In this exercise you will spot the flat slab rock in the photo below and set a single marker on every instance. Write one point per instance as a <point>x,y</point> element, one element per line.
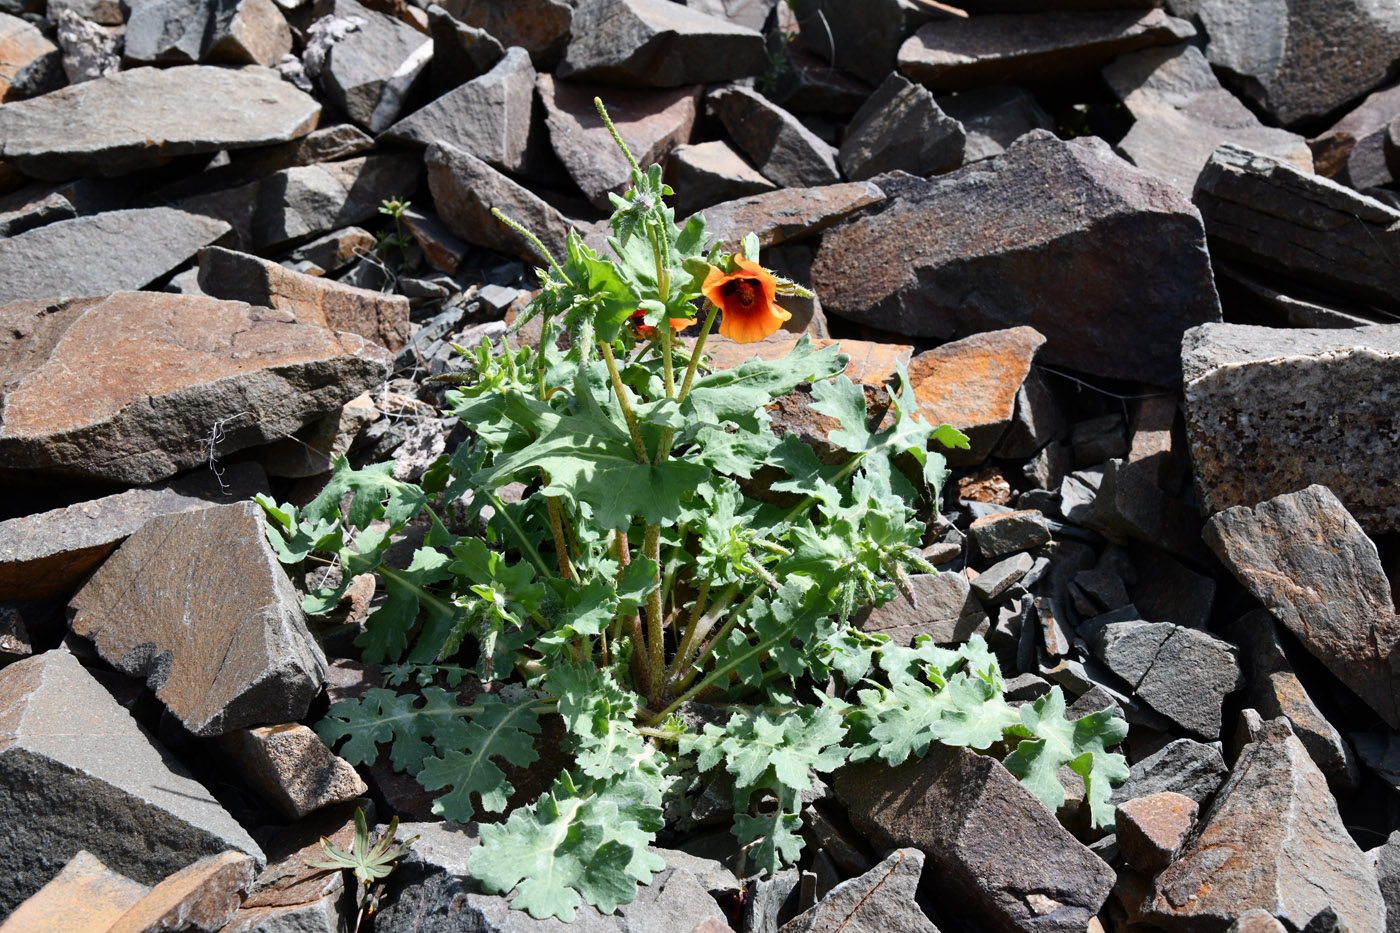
<point>85,897</point>
<point>199,606</point>
<point>947,258</point>
<point>77,772</point>
<point>146,116</point>
<point>1343,386</point>
<point>122,389</point>
<point>947,611</point>
<point>788,213</point>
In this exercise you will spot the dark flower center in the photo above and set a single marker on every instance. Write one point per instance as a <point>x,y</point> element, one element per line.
<point>741,289</point>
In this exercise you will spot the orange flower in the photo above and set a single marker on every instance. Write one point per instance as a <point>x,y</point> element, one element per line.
<point>646,332</point>
<point>746,298</point>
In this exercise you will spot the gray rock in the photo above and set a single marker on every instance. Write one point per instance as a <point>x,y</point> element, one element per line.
<point>32,64</point>
<point>960,53</point>
<point>162,114</point>
<point>991,584</point>
<point>1392,147</point>
<point>89,50</point>
<point>862,38</point>
<point>1247,448</point>
<point>101,12</point>
<point>1182,673</point>
<point>1182,114</point>
<point>292,768</point>
<point>945,258</point>
<point>46,555</point>
<point>168,32</point>
<point>488,116</point>
<point>15,644</point>
<point>79,773</point>
<point>328,914</point>
<point>655,43</point>
<point>1131,505</point>
<point>159,608</point>
<point>249,32</point>
<point>460,52</point>
<point>997,854</point>
<point>999,535</point>
<point>1274,49</point>
<point>1274,840</point>
<point>806,83</point>
<point>901,128</point>
<point>880,901</point>
<point>994,118</point>
<point>541,27</point>
<point>651,123</point>
<point>788,213</point>
<point>336,249</point>
<point>1168,591</point>
<point>1302,310</point>
<point>309,200</point>
<point>1352,151</point>
<point>370,72</point>
<point>781,148</point>
<point>709,173</point>
<point>751,14</point>
<point>1275,690</point>
<point>1388,874</point>
<point>945,610</point>
<point>465,189</point>
<point>100,254</point>
<point>1307,560</point>
<point>1262,211</point>
<point>1187,767</point>
<point>37,212</point>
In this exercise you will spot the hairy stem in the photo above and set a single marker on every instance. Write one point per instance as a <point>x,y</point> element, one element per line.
<point>534,241</point>
<point>656,635</point>
<point>699,346</point>
<point>621,392</point>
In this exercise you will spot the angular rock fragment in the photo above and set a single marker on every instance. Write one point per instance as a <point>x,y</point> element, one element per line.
<point>997,854</point>
<point>14,635</point>
<point>1344,387</point>
<point>29,63</point>
<point>882,899</point>
<point>806,83</point>
<point>788,214</point>
<point>292,768</point>
<point>250,32</point>
<point>1262,211</point>
<point>655,43</point>
<point>487,116</point>
<point>1273,50</point>
<point>866,36</point>
<point>198,605</point>
<point>329,144</point>
<point>993,118</point>
<point>751,14</point>
<point>77,772</point>
<point>540,27</point>
<point>781,148</point>
<point>1187,767</point>
<point>1182,673</point>
<point>1182,114</point>
<point>46,555</point>
<point>947,257</point>
<point>85,897</point>
<point>110,252</point>
<point>947,611</point>
<point>369,73</point>
<point>954,54</point>
<point>441,247</point>
<point>1303,308</point>
<point>709,173</point>
<point>1006,533</point>
<point>651,123</point>
<point>90,51</point>
<point>168,32</point>
<point>321,302</point>
<point>337,249</point>
<point>74,407</point>
<point>460,51</point>
<point>38,212</point>
<point>163,114</point>
<point>901,128</point>
<point>1352,151</point>
<point>1273,840</point>
<point>1307,560</point>
<point>199,898</point>
<point>1131,505</point>
<point>1151,829</point>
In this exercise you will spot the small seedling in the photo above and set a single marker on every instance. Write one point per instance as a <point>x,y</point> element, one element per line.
<point>370,860</point>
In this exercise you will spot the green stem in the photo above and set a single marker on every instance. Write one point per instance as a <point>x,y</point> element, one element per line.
<point>809,501</point>
<point>525,546</point>
<point>698,664</point>
<point>699,346</point>
<point>673,563</point>
<point>534,240</point>
<point>617,137</point>
<point>688,638</point>
<point>621,392</point>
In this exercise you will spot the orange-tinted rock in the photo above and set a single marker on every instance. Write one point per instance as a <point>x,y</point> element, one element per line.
<point>86,897</point>
<point>23,48</point>
<point>788,213</point>
<point>128,388</point>
<point>1152,829</point>
<point>870,363</point>
<point>292,768</point>
<point>200,898</point>
<point>972,384</point>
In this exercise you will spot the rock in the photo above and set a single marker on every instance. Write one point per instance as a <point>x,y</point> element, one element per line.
<point>320,302</point>
<point>651,123</point>
<point>992,583</point>
<point>788,213</point>
<point>250,32</point>
<point>1257,921</point>
<point>751,14</point>
<point>292,768</point>
<point>946,610</point>
<point>974,385</point>
<point>79,773</point>
<point>1152,829</point>
<point>541,27</point>
<point>1182,673</point>
<point>38,212</point>
<point>46,555</point>
<point>879,901</point>
<point>1292,310</point>
<point>460,52</point>
<point>1273,52</point>
<point>1131,505</point>
<point>169,32</point>
<point>1185,766</point>
<point>955,54</point>
<point>29,63</point>
<point>1392,147</point>
<point>1262,211</point>
<point>103,12</point>
<point>73,408</point>
<point>1247,448</point>
<point>199,898</point>
<point>465,189</point>
<point>1388,874</point>
<point>85,897</point>
<point>1305,558</point>
<point>89,50</point>
<point>993,118</point>
<point>441,247</point>
<point>333,913</point>
<point>312,451</point>
<point>370,71</point>
<point>901,128</point>
<point>163,114</point>
<point>781,148</point>
<point>999,858</point>
<point>234,668</point>
<point>103,253</point>
<point>15,644</point>
<point>945,258</point>
<point>1275,690</point>
<point>806,83</point>
<point>1273,840</point>
<point>329,144</point>
<point>1380,752</point>
<point>488,116</point>
<point>708,173</point>
<point>862,38</point>
<point>1353,150</point>
<point>1000,535</point>
<point>655,43</point>
<point>1182,114</point>
<point>337,249</point>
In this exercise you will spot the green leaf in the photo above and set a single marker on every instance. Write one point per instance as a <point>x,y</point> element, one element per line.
<point>733,395</point>
<point>385,636</point>
<point>383,716</point>
<point>496,730</point>
<point>1052,741</point>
